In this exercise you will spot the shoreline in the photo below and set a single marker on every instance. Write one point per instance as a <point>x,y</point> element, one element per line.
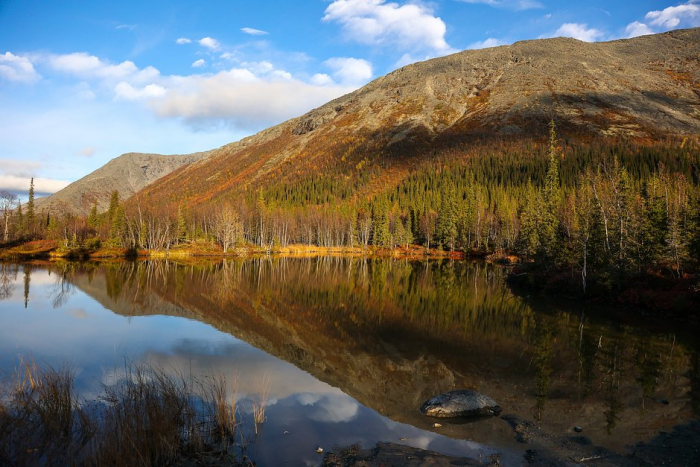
<point>49,249</point>
<point>646,295</point>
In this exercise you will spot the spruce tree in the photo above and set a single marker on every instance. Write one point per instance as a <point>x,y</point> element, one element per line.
<point>181,224</point>
<point>380,219</point>
<point>548,227</point>
<point>529,222</point>
<point>92,217</point>
<point>31,216</point>
<point>447,217</point>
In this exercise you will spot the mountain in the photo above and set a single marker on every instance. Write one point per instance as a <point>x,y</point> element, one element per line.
<point>126,174</point>
<point>644,89</point>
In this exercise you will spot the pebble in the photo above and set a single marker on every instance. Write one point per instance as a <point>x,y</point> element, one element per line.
<point>436,425</point>
<point>578,429</point>
<point>319,449</point>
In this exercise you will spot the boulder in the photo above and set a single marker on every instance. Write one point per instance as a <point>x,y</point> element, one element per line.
<point>463,403</point>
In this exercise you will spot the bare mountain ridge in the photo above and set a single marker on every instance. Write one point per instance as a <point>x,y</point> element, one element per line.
<point>127,174</point>
<point>646,88</point>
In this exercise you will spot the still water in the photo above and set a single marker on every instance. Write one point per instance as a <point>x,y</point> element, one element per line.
<point>345,350</point>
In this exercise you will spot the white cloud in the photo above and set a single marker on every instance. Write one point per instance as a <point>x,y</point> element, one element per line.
<point>209,43</point>
<point>41,185</point>
<point>579,31</point>
<point>333,408</point>
<point>281,74</point>
<point>321,79</point>
<point>16,168</point>
<point>687,15</point>
<point>17,68</point>
<point>89,67</point>
<point>239,98</point>
<point>485,44</point>
<point>83,65</point>
<point>637,29</point>
<point>509,4</point>
<point>350,71</point>
<point>375,22</point>
<point>259,68</point>
<point>183,40</point>
<point>199,63</point>
<point>126,91</point>
<point>254,32</point>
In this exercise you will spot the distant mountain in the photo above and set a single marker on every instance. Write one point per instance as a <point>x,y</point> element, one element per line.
<point>126,174</point>
<point>645,89</point>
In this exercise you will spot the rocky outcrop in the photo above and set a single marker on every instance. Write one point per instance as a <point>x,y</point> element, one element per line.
<point>127,174</point>
<point>462,403</point>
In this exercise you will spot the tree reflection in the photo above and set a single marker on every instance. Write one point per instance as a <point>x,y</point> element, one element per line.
<point>377,328</point>
<point>8,275</point>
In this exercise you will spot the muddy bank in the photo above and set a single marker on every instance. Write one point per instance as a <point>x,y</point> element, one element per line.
<point>678,448</point>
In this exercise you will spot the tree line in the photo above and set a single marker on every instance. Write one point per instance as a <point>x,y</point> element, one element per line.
<point>606,212</point>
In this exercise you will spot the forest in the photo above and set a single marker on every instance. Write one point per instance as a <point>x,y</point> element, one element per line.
<point>603,212</point>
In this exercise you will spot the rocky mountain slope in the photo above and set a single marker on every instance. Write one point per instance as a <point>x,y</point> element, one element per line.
<point>126,174</point>
<point>646,88</point>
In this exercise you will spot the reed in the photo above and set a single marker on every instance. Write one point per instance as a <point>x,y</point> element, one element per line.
<point>260,402</point>
<point>147,418</point>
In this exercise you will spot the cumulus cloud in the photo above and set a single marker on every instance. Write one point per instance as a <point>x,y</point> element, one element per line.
<point>637,29</point>
<point>41,185</point>
<point>126,91</point>
<point>509,4</point>
<point>199,63</point>
<point>83,65</point>
<point>209,43</point>
<point>183,40</point>
<point>579,31</point>
<point>686,15</point>
<point>254,32</point>
<point>321,79</point>
<point>240,98</point>
<point>350,71</point>
<point>375,22</point>
<point>485,44</point>
<point>110,76</point>
<point>17,68</point>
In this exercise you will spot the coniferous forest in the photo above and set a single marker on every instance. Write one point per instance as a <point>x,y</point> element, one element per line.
<point>594,215</point>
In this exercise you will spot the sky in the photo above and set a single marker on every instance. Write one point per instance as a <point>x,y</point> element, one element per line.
<point>82,82</point>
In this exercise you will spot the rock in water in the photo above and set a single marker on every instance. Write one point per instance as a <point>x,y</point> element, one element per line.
<point>462,403</point>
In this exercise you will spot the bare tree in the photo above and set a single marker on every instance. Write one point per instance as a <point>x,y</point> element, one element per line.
<point>7,203</point>
<point>228,227</point>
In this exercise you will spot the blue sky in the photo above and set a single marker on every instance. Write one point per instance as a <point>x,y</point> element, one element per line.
<point>82,82</point>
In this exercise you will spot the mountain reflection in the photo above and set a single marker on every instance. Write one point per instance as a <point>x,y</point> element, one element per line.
<point>391,333</point>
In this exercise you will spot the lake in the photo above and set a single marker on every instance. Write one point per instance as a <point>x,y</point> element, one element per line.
<point>345,350</point>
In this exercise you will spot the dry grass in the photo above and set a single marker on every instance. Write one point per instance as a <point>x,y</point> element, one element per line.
<point>148,418</point>
<point>41,422</point>
<point>260,402</point>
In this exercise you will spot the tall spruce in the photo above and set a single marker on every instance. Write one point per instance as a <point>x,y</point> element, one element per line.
<point>548,226</point>
<point>31,215</point>
<point>447,217</point>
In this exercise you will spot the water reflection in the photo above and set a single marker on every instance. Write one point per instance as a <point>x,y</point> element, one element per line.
<point>344,341</point>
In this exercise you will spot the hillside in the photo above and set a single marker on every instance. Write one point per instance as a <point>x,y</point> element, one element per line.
<point>644,89</point>
<point>126,174</point>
